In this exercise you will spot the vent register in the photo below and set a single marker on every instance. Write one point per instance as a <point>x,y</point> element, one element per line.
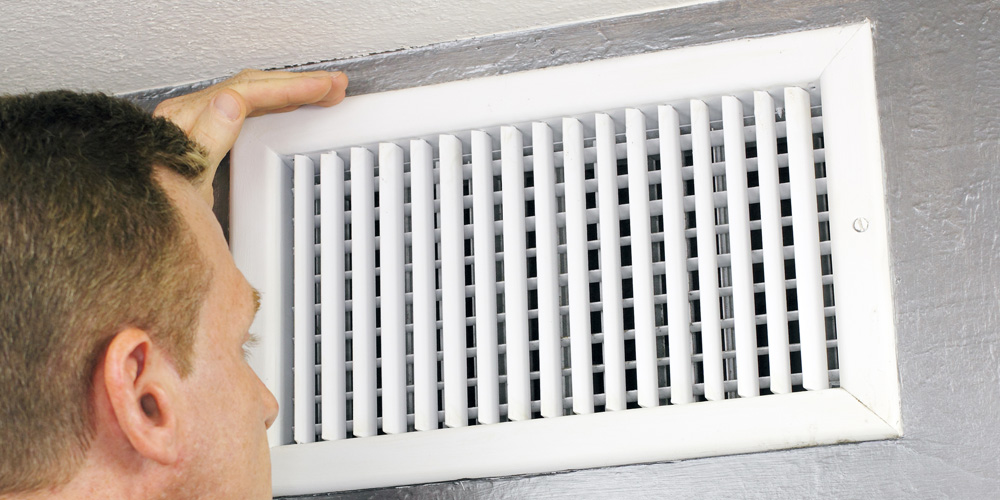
<point>521,274</point>
<point>648,256</point>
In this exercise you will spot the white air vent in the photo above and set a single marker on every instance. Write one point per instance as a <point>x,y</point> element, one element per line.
<point>665,256</point>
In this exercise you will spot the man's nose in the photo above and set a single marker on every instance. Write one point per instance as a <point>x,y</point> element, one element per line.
<point>270,405</point>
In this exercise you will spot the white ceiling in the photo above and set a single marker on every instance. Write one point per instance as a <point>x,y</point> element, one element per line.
<point>128,45</point>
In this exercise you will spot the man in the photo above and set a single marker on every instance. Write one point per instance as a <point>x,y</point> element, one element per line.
<point>123,319</point>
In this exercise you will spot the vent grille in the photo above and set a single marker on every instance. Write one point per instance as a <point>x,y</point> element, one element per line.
<point>662,254</point>
<point>389,294</point>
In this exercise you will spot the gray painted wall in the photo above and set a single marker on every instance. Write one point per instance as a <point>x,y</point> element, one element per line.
<point>125,45</point>
<point>938,78</point>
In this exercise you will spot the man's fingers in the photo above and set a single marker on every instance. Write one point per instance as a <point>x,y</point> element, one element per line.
<point>212,117</point>
<point>281,94</point>
<point>263,92</point>
<point>279,110</point>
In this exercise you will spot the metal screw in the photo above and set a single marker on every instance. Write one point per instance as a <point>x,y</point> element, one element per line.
<point>861,224</point>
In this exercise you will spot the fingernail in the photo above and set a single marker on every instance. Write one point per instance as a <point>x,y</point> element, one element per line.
<point>336,75</point>
<point>227,105</point>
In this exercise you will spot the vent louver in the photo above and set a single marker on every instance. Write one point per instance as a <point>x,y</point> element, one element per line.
<point>536,253</point>
<point>500,276</point>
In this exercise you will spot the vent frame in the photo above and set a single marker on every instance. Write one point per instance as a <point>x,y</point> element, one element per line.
<point>865,407</point>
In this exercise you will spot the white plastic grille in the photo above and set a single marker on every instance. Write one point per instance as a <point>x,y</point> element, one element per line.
<point>662,254</point>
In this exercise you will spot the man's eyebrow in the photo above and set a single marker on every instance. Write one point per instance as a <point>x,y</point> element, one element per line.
<point>256,300</point>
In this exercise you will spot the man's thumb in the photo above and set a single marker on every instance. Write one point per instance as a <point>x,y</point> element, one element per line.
<point>219,125</point>
<point>216,129</point>
<point>226,105</point>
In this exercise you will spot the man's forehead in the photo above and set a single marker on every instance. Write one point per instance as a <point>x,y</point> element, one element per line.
<point>230,284</point>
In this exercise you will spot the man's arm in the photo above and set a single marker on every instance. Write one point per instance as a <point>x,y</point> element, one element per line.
<point>214,116</point>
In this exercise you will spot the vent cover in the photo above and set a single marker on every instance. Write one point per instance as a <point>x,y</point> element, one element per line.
<point>525,284</point>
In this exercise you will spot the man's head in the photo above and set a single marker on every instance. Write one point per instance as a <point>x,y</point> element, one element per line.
<point>101,255</point>
<point>123,319</point>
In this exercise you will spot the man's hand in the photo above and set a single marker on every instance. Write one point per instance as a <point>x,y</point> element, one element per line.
<point>214,116</point>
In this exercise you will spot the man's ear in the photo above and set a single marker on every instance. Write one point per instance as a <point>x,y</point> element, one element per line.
<point>142,388</point>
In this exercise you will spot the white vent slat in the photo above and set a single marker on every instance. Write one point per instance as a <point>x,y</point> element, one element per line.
<point>788,284</point>
<point>332,299</point>
<point>773,248</point>
<point>547,264</point>
<point>515,274</point>
<point>578,279</point>
<point>363,305</point>
<point>664,392</point>
<point>745,329</point>
<point>453,292</point>
<point>719,198</point>
<point>708,268</point>
<point>642,257</point>
<point>675,256</point>
<point>304,297</point>
<point>425,353</point>
<point>808,274</point>
<point>392,278</point>
<point>484,239</point>
<point>612,326</point>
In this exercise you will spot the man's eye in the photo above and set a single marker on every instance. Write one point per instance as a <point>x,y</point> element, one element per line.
<point>251,342</point>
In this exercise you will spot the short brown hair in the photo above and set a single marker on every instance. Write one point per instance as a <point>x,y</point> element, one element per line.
<point>89,244</point>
